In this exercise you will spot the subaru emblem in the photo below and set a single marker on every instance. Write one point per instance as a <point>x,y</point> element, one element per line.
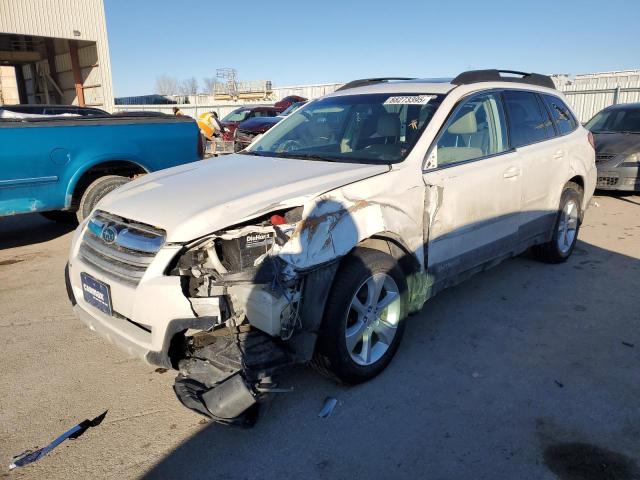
<point>109,235</point>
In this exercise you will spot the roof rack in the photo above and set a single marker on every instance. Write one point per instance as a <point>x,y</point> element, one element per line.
<point>369,81</point>
<point>475,76</point>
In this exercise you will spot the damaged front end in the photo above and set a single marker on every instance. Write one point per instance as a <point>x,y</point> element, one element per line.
<point>236,284</point>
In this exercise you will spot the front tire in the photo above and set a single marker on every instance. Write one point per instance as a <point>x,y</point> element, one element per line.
<point>566,227</point>
<point>364,317</point>
<point>96,191</point>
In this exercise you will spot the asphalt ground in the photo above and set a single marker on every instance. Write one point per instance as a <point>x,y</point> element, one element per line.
<point>527,371</point>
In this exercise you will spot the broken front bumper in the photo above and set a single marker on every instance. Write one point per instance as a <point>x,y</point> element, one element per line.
<point>145,317</point>
<point>132,339</point>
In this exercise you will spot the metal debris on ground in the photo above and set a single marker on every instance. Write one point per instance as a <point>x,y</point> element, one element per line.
<point>627,344</point>
<point>31,456</point>
<point>329,404</point>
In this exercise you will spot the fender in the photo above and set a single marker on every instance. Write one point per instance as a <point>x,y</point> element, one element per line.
<point>96,161</point>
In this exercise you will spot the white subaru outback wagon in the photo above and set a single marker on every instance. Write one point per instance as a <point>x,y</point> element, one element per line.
<point>318,240</point>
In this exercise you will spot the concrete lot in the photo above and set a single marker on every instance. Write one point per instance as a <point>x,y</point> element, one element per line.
<point>514,374</point>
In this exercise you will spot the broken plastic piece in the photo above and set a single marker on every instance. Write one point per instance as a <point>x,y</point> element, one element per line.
<point>30,456</point>
<point>229,399</point>
<point>329,404</point>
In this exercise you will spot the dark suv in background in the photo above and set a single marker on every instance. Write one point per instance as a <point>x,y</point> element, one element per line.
<point>231,121</point>
<point>616,131</point>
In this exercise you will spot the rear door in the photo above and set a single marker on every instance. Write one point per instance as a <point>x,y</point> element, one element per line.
<point>544,161</point>
<point>477,179</point>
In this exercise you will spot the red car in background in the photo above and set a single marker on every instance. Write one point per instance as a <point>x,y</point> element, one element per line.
<point>286,102</point>
<point>231,121</point>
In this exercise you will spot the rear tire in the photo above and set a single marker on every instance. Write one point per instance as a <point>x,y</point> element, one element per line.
<point>96,191</point>
<point>364,317</point>
<point>61,216</point>
<point>565,229</point>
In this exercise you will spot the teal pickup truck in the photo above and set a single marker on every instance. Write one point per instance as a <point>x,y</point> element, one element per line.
<point>61,166</point>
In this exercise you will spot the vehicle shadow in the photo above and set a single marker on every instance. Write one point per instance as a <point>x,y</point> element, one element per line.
<point>629,197</point>
<point>490,373</point>
<point>29,229</point>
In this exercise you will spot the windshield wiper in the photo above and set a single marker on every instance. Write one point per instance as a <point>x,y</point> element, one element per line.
<point>257,154</point>
<point>309,156</point>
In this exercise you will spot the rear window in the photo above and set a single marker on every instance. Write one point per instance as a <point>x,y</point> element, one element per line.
<point>562,117</point>
<point>526,122</point>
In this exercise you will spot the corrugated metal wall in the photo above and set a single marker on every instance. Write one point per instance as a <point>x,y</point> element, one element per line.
<point>73,20</point>
<point>589,93</point>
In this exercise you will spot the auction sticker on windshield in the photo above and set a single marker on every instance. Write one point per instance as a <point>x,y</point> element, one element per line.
<point>409,100</point>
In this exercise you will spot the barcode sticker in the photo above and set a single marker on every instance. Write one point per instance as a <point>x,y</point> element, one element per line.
<point>409,100</point>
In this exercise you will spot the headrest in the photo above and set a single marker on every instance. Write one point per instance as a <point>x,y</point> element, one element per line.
<point>466,124</point>
<point>388,125</point>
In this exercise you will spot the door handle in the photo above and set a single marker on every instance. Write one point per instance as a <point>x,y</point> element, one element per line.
<point>511,172</point>
<point>559,155</point>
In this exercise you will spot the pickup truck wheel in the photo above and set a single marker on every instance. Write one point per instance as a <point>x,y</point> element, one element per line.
<point>60,216</point>
<point>566,228</point>
<point>95,191</point>
<point>364,317</point>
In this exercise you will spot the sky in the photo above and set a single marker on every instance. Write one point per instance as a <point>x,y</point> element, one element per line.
<point>305,42</point>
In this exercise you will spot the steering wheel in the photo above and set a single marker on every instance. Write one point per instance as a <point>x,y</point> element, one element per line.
<point>290,146</point>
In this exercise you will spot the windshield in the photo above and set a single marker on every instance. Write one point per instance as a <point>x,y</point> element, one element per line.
<point>370,128</point>
<point>615,120</point>
<point>236,116</point>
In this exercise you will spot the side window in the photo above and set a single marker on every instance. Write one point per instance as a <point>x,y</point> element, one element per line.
<point>476,130</point>
<point>561,114</point>
<point>526,123</point>
<point>548,122</point>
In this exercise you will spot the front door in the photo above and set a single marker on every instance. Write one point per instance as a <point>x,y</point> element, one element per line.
<point>475,180</point>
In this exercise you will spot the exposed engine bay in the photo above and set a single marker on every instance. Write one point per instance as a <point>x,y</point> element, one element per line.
<point>234,279</point>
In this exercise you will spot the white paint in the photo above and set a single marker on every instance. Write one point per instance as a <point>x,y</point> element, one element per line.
<point>343,204</point>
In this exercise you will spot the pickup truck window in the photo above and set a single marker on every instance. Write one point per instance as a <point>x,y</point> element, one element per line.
<point>369,128</point>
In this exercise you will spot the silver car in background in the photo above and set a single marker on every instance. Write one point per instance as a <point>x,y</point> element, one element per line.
<point>616,131</point>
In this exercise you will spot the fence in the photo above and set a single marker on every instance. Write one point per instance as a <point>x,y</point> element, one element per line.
<point>587,94</point>
<point>207,103</point>
<point>189,109</point>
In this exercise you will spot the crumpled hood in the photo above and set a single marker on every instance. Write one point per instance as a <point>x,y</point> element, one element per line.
<point>617,143</point>
<point>199,198</point>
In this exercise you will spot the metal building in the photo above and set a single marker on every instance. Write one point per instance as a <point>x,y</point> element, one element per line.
<point>55,51</point>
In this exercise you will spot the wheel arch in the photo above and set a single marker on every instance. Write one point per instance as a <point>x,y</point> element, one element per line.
<point>83,177</point>
<point>392,244</point>
<point>579,180</point>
